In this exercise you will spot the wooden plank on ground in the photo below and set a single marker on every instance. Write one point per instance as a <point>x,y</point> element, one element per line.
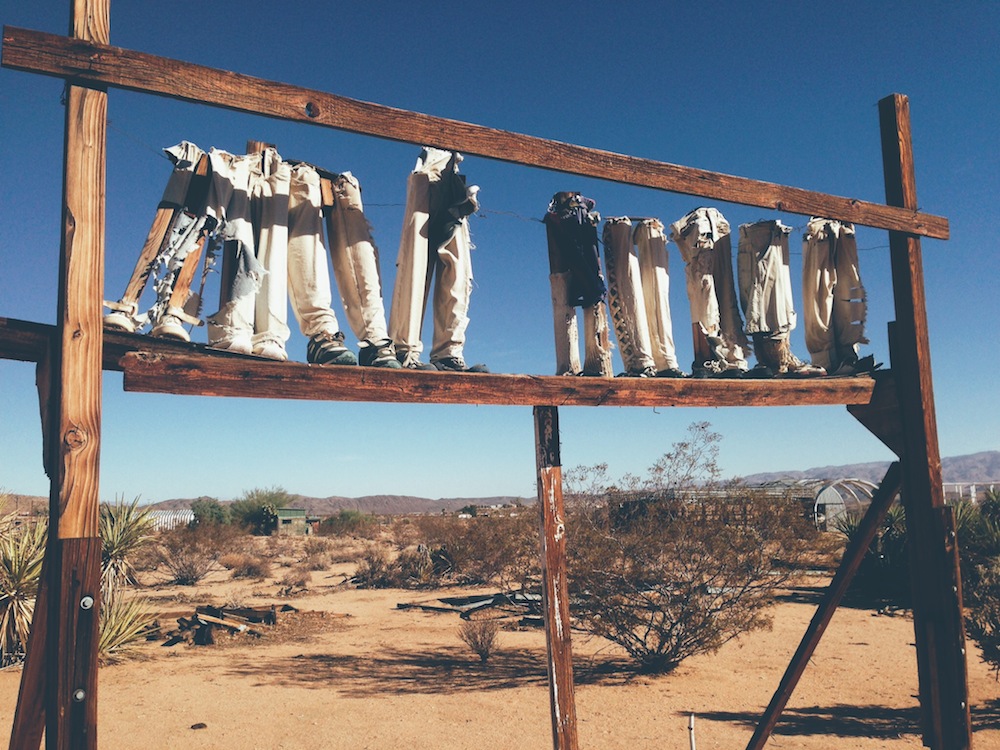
<point>64,57</point>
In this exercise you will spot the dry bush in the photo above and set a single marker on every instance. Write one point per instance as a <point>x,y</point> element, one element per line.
<point>190,553</point>
<point>374,569</point>
<point>348,522</point>
<point>480,636</point>
<point>243,565</point>
<point>296,579</point>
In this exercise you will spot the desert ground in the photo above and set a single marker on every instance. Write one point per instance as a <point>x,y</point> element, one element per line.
<point>352,670</point>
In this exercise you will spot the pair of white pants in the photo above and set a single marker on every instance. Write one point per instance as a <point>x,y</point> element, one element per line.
<point>703,236</point>
<point>834,304</point>
<point>449,265</point>
<point>356,262</point>
<point>765,280</point>
<point>638,293</point>
<point>285,215</point>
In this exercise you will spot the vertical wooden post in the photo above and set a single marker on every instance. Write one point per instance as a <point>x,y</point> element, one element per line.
<point>73,556</point>
<point>555,586</point>
<point>939,635</point>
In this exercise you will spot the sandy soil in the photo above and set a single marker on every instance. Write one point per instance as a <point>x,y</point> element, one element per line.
<point>368,675</point>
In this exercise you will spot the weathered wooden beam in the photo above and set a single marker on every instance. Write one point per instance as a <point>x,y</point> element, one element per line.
<point>555,584</point>
<point>247,377</point>
<point>881,414</point>
<point>939,636</point>
<point>74,59</point>
<point>849,564</point>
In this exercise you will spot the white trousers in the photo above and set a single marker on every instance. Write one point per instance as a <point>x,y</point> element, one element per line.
<point>834,304</point>
<point>284,259</point>
<point>703,236</point>
<point>651,245</point>
<point>356,262</point>
<point>625,295</point>
<point>764,279</point>
<point>449,266</point>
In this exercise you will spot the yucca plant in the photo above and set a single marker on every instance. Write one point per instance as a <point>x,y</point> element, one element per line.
<point>21,551</point>
<point>124,527</point>
<point>124,620</point>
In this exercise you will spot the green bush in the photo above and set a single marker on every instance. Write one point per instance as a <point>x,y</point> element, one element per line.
<point>349,522</point>
<point>256,510</point>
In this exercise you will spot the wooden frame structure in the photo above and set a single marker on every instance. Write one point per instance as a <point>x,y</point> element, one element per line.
<point>59,682</point>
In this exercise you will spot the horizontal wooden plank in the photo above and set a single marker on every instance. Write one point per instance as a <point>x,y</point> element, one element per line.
<point>201,375</point>
<point>105,65</point>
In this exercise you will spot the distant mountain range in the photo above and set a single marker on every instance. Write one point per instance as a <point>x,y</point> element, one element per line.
<point>975,468</point>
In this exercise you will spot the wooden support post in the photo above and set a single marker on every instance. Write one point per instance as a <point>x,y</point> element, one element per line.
<point>62,666</point>
<point>555,587</point>
<point>939,635</point>
<point>853,555</point>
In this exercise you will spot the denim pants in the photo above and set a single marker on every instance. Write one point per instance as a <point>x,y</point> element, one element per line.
<point>703,236</point>
<point>356,262</point>
<point>435,246</point>
<point>764,279</point>
<point>576,279</point>
<point>834,304</point>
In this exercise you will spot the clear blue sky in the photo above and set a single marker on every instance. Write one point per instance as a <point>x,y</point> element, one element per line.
<point>784,92</point>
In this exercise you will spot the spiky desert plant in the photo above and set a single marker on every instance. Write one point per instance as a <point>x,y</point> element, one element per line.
<point>124,528</point>
<point>21,551</point>
<point>124,620</point>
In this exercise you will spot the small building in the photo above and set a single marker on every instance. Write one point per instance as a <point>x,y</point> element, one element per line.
<point>292,522</point>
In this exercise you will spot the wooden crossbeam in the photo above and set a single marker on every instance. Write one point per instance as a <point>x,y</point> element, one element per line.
<point>103,64</point>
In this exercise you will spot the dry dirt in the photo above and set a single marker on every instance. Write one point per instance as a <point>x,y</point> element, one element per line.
<point>369,675</point>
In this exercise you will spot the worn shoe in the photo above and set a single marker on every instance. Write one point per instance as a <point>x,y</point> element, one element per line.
<point>777,355</point>
<point>646,372</point>
<point>119,321</point>
<point>270,350</point>
<point>456,364</point>
<point>238,344</point>
<point>671,372</point>
<point>170,327</point>
<point>329,349</point>
<point>378,354</point>
<point>411,361</point>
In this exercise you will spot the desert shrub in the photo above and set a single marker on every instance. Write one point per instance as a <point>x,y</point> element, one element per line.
<point>348,522</point>
<point>209,510</point>
<point>296,579</point>
<point>679,564</point>
<point>125,528</point>
<point>243,565</point>
<point>413,568</point>
<point>374,570</point>
<point>21,551</point>
<point>314,545</point>
<point>256,510</point>
<point>883,575</point>
<point>190,553</point>
<point>480,636</point>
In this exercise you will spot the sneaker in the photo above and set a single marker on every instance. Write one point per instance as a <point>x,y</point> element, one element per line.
<point>671,372</point>
<point>714,368</point>
<point>170,327</point>
<point>329,349</point>
<point>270,350</point>
<point>238,344</point>
<point>119,321</point>
<point>456,364</point>
<point>378,354</point>
<point>646,372</point>
<point>411,361</point>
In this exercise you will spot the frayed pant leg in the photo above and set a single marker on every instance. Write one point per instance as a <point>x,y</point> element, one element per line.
<point>597,341</point>
<point>625,296</point>
<point>764,279</point>
<point>229,203</point>
<point>567,336</point>
<point>269,209</point>
<point>850,306</point>
<point>452,293</point>
<point>356,262</point>
<point>408,294</point>
<point>309,287</point>
<point>819,277</point>
<point>730,321</point>
<point>654,270</point>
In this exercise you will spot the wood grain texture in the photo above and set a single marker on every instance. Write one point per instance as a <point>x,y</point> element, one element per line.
<point>258,378</point>
<point>849,564</point>
<point>136,71</point>
<point>29,715</point>
<point>881,415</point>
<point>940,648</point>
<point>71,682</point>
<point>555,582</point>
<point>76,392</point>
